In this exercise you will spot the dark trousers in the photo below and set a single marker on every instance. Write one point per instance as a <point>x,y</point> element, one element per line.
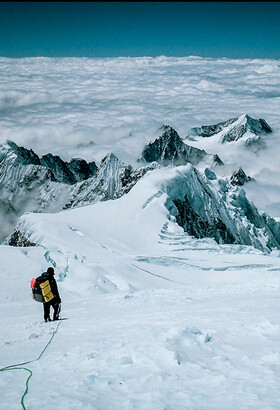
<point>56,309</point>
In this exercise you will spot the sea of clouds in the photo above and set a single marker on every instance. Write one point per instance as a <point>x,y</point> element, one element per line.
<point>61,105</point>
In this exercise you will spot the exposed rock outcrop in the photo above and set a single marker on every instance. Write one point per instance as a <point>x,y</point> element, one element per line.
<point>239,178</point>
<point>217,161</point>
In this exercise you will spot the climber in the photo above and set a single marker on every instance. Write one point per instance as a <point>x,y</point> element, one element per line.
<point>47,283</point>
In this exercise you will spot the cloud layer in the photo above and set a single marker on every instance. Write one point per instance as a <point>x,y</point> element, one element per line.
<point>53,104</point>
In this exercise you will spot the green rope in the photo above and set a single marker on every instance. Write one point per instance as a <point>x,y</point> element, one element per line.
<point>19,366</point>
<point>26,382</point>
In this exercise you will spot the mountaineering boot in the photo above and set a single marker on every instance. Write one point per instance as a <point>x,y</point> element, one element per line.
<point>48,319</point>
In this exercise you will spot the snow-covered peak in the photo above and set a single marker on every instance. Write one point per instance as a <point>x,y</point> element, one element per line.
<point>13,152</point>
<point>111,161</point>
<point>257,127</point>
<point>234,128</point>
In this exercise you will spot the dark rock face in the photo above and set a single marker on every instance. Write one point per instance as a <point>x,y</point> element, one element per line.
<point>225,215</point>
<point>261,126</point>
<point>170,149</point>
<point>130,177</point>
<point>81,169</point>
<point>199,227</point>
<point>234,128</point>
<point>58,168</point>
<point>239,178</point>
<point>17,239</point>
<point>68,172</point>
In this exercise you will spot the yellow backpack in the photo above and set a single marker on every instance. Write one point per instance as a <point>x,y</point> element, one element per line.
<point>46,291</point>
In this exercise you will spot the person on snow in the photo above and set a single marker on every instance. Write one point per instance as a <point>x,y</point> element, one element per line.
<point>50,294</point>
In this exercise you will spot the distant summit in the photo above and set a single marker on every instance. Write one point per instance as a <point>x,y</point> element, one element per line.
<point>169,148</point>
<point>234,129</point>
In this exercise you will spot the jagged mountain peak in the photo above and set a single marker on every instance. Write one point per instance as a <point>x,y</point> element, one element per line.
<point>21,154</point>
<point>169,148</point>
<point>239,178</point>
<point>164,127</point>
<point>69,172</point>
<point>170,132</point>
<point>110,158</point>
<point>113,179</point>
<point>110,167</point>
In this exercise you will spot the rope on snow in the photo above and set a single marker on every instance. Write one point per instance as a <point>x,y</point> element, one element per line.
<point>19,366</point>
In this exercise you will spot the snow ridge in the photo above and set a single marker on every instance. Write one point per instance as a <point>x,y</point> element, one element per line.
<point>204,207</point>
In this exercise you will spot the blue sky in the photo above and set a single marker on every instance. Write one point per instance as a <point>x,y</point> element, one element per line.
<point>111,29</point>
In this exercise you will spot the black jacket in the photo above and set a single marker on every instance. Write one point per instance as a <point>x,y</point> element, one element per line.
<point>53,284</point>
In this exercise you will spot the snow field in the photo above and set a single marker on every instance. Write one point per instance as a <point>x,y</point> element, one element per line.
<point>193,327</point>
<point>156,319</point>
<point>151,349</point>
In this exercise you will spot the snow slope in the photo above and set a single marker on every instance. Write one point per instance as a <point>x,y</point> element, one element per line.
<point>157,319</point>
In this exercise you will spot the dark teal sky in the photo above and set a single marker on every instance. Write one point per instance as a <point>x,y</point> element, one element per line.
<point>111,29</point>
